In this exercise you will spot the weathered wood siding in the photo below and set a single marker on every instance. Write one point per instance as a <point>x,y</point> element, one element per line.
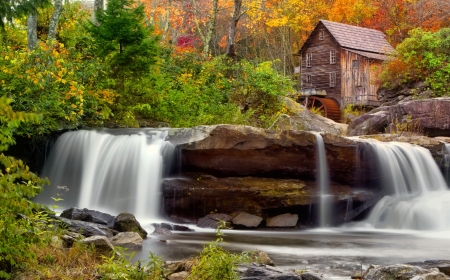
<point>320,67</point>
<point>359,79</point>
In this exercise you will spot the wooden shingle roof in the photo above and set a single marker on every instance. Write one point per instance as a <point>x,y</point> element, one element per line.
<point>358,38</point>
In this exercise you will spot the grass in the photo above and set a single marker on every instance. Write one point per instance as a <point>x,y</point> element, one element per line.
<point>78,262</point>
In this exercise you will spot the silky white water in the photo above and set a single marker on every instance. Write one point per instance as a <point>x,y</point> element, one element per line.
<point>108,172</point>
<point>417,195</point>
<point>323,183</point>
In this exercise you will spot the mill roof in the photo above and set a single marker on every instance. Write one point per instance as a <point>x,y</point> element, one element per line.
<point>358,38</point>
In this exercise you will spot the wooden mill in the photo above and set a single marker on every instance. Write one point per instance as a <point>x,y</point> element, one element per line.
<point>339,65</point>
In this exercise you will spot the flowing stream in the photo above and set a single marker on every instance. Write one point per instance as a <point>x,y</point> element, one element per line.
<point>109,170</point>
<point>121,170</point>
<point>418,197</point>
<point>323,182</point>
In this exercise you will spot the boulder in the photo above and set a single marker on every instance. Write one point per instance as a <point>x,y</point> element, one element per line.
<point>402,272</point>
<point>57,242</point>
<point>130,240</point>
<point>85,228</point>
<point>211,220</point>
<point>442,265</point>
<point>101,244</point>
<point>178,276</point>
<point>312,276</point>
<point>427,117</point>
<point>172,267</point>
<point>370,123</point>
<point>161,231</point>
<point>261,258</point>
<point>172,227</point>
<point>262,272</point>
<point>302,119</point>
<point>70,237</point>
<point>247,220</point>
<point>283,220</point>
<point>87,215</point>
<point>127,222</point>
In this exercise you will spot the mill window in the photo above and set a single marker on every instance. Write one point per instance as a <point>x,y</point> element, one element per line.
<point>308,79</point>
<point>332,56</point>
<point>321,35</point>
<point>332,79</point>
<point>308,59</point>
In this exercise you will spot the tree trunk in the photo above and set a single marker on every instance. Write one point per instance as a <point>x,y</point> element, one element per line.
<point>166,23</point>
<point>53,25</point>
<point>231,39</point>
<point>32,31</point>
<point>210,26</point>
<point>98,6</point>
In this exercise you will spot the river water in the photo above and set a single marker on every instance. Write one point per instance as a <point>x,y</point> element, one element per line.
<point>336,253</point>
<point>116,172</point>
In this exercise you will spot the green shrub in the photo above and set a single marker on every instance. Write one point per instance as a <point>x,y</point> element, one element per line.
<point>21,223</point>
<point>120,268</point>
<point>214,262</point>
<point>424,56</point>
<point>187,90</point>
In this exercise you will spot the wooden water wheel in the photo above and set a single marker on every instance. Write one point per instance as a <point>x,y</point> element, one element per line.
<point>326,107</point>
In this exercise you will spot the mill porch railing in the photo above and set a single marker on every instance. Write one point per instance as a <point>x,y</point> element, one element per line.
<point>362,100</point>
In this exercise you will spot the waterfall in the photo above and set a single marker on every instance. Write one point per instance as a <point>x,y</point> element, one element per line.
<point>323,183</point>
<point>109,170</point>
<point>417,195</point>
<point>446,161</point>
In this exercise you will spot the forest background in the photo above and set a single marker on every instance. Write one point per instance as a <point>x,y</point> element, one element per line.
<point>178,62</point>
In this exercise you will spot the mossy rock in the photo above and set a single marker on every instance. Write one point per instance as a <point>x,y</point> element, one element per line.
<point>126,222</point>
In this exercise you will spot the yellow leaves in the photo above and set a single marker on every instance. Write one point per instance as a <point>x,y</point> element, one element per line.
<point>277,22</point>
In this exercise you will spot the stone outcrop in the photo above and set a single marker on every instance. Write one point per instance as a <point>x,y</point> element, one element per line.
<point>427,116</point>
<point>229,150</point>
<point>403,272</point>
<point>267,173</point>
<point>283,220</point>
<point>127,222</point>
<point>193,197</point>
<point>404,93</point>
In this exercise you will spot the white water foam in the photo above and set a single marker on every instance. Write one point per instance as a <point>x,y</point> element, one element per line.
<point>323,183</point>
<point>110,173</point>
<point>418,197</point>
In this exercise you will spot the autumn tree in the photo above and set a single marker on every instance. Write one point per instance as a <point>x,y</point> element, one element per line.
<point>231,38</point>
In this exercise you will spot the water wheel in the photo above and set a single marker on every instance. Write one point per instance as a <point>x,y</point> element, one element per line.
<point>326,107</point>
